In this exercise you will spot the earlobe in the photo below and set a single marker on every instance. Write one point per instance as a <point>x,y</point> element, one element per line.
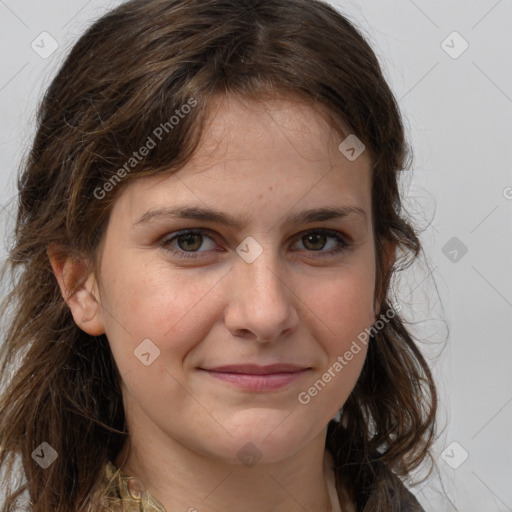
<point>79,289</point>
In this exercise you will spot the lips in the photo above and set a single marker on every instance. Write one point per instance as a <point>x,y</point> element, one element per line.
<point>253,377</point>
<point>255,369</point>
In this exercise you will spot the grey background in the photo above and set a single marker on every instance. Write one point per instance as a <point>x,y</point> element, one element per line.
<point>458,114</point>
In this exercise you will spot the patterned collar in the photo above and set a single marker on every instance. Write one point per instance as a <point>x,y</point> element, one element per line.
<point>127,494</point>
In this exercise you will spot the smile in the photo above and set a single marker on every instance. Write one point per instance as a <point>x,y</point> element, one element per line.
<point>258,378</point>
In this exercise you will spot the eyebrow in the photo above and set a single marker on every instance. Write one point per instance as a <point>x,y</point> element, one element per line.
<point>210,215</point>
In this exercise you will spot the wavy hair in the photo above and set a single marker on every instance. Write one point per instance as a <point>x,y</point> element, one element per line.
<point>131,72</point>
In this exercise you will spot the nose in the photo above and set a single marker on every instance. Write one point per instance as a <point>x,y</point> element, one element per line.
<point>262,304</point>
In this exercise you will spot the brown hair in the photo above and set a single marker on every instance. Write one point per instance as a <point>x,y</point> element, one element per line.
<point>127,75</point>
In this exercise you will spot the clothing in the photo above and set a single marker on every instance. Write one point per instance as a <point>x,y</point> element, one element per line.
<point>127,494</point>
<point>120,495</point>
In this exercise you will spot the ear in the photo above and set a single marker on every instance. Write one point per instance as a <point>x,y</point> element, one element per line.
<point>79,289</point>
<point>389,258</point>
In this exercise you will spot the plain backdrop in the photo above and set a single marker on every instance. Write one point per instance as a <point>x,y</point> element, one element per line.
<point>449,64</point>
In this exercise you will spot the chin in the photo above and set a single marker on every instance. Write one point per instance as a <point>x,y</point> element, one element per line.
<point>263,442</point>
<point>244,451</point>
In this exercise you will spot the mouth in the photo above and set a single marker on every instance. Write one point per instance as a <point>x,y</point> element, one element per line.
<point>258,378</point>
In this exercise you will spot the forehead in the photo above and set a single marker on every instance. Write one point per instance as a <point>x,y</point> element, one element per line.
<point>238,124</point>
<point>261,155</point>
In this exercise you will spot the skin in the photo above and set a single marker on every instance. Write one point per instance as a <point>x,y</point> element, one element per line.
<point>259,162</point>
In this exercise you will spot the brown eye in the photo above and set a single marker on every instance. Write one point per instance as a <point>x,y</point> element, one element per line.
<point>314,241</point>
<point>190,241</point>
<point>319,239</point>
<point>186,244</point>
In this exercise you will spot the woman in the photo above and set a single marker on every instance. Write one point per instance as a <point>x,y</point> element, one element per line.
<point>208,224</point>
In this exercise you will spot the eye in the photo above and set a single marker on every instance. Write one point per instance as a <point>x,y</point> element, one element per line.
<point>186,244</point>
<point>316,240</point>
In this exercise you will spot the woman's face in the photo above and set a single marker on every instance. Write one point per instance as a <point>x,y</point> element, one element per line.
<point>220,334</point>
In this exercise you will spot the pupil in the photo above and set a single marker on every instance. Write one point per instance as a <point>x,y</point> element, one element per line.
<point>313,236</point>
<point>189,239</point>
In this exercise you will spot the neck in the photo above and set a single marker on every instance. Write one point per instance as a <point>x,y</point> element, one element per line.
<point>182,479</point>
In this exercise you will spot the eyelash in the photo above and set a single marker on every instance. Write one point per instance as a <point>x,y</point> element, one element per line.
<point>343,245</point>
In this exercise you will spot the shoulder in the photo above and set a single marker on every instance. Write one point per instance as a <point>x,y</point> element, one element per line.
<point>397,499</point>
<point>365,482</point>
<point>398,492</point>
<point>388,492</point>
<point>378,490</point>
<point>407,500</point>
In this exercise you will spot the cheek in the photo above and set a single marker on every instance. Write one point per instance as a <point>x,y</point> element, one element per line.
<point>343,304</point>
<point>175,311</point>
<point>342,311</point>
<point>171,307</point>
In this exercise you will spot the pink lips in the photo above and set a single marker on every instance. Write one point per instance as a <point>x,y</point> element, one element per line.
<point>253,377</point>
